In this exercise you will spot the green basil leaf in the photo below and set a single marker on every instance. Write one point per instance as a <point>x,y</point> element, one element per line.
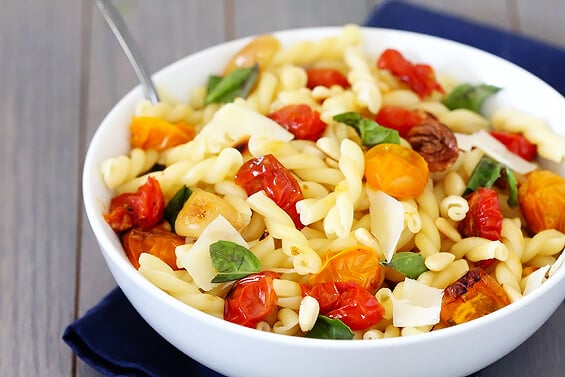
<point>467,96</point>
<point>232,261</point>
<point>213,80</point>
<point>237,83</point>
<point>485,174</point>
<point>175,205</point>
<point>370,131</point>
<point>327,328</point>
<point>408,263</point>
<point>512,182</point>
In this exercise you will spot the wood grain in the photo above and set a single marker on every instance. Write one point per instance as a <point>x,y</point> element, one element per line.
<point>61,71</point>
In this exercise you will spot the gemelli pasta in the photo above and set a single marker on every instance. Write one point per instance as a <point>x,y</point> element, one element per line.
<point>339,189</point>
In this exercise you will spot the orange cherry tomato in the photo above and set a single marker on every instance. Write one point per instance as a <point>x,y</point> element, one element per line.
<point>156,241</point>
<point>474,295</point>
<point>396,170</point>
<point>251,299</point>
<point>144,208</point>
<point>303,122</point>
<point>542,200</point>
<point>156,133</point>
<point>356,264</point>
<point>348,302</point>
<point>260,50</point>
<point>327,77</point>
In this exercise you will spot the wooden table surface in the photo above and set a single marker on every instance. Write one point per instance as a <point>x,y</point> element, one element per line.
<point>61,71</point>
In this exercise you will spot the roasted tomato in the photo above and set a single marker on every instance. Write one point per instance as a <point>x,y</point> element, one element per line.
<point>474,295</point>
<point>484,218</point>
<point>418,77</point>
<point>327,77</point>
<point>348,302</point>
<point>156,241</point>
<point>251,299</point>
<point>398,118</point>
<point>435,142</point>
<point>260,50</point>
<point>517,144</point>
<point>268,174</point>
<point>542,200</point>
<point>303,122</point>
<point>144,208</point>
<point>396,170</point>
<point>356,264</point>
<point>158,134</point>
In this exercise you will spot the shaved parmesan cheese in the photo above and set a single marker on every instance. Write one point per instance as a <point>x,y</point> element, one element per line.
<point>416,304</point>
<point>230,124</point>
<point>196,258</point>
<point>495,149</point>
<point>387,220</point>
<point>557,264</point>
<point>535,279</point>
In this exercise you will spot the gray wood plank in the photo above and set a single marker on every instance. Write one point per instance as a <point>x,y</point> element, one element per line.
<point>543,20</point>
<point>39,118</point>
<point>255,17</point>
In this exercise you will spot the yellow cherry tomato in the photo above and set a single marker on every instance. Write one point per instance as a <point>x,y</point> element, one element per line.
<point>259,51</point>
<point>357,264</point>
<point>396,170</point>
<point>542,200</point>
<point>158,134</point>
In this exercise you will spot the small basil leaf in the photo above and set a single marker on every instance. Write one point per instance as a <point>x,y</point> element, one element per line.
<point>512,187</point>
<point>213,80</point>
<point>175,205</point>
<point>370,131</point>
<point>327,328</point>
<point>408,263</point>
<point>232,261</point>
<point>467,96</point>
<point>237,83</point>
<point>485,174</point>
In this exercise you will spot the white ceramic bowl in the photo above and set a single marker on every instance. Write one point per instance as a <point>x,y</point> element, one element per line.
<point>239,351</point>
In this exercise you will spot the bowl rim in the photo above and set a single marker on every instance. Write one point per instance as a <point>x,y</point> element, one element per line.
<point>100,227</point>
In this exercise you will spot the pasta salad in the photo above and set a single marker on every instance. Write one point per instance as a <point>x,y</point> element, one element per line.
<point>318,190</point>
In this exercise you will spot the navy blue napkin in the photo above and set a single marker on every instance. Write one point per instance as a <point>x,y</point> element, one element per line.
<point>114,339</point>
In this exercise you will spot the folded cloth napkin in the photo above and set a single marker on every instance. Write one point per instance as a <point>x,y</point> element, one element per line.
<point>114,339</point>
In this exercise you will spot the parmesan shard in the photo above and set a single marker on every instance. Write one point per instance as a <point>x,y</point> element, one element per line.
<point>196,258</point>
<point>416,305</point>
<point>387,220</point>
<point>534,280</point>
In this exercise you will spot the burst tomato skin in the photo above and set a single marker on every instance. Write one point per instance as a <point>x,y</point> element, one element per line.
<point>251,299</point>
<point>144,208</point>
<point>155,241</point>
<point>419,77</point>
<point>348,302</point>
<point>517,144</point>
<point>268,174</point>
<point>327,77</point>
<point>356,264</point>
<point>474,295</point>
<point>300,120</point>
<point>542,200</point>
<point>484,218</point>
<point>398,118</point>
<point>396,170</point>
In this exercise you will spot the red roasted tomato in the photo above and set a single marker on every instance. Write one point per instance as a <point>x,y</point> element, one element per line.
<point>144,208</point>
<point>155,241</point>
<point>419,77</point>
<point>484,218</point>
<point>268,174</point>
<point>516,143</point>
<point>398,118</point>
<point>348,302</point>
<point>303,122</point>
<point>327,77</point>
<point>251,299</point>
